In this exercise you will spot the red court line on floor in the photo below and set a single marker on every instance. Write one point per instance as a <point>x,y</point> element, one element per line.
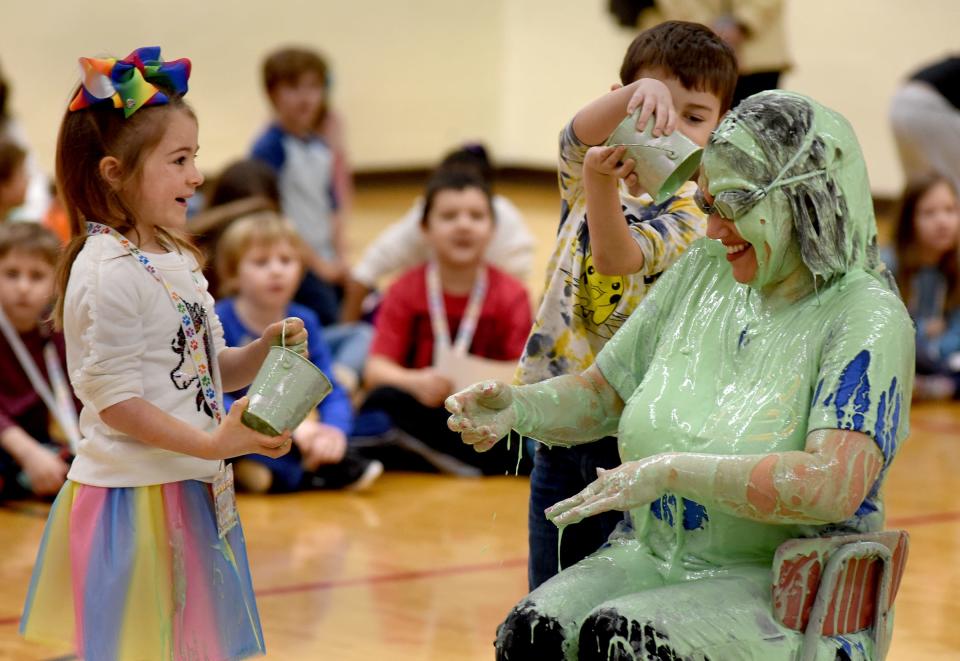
<point>894,522</point>
<point>413,575</point>
<point>391,578</point>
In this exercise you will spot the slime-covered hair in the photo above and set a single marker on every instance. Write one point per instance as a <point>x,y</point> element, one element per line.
<point>788,143</point>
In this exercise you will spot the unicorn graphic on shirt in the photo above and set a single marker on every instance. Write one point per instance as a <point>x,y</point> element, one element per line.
<point>184,375</point>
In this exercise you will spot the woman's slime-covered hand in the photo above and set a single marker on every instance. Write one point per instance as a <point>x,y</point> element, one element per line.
<point>630,485</point>
<point>824,483</point>
<point>482,414</point>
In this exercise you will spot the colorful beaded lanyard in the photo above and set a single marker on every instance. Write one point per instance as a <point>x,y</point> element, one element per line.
<point>438,312</point>
<point>191,331</point>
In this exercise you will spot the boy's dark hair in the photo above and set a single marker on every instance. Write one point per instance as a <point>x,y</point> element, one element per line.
<point>691,52</point>
<point>243,179</point>
<point>12,157</point>
<point>31,238</point>
<point>288,64</point>
<point>470,156</point>
<point>452,179</point>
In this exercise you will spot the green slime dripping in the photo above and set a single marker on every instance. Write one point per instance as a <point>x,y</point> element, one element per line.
<point>707,365</point>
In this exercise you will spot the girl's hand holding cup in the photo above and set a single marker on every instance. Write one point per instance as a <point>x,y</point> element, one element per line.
<point>290,332</point>
<point>233,439</point>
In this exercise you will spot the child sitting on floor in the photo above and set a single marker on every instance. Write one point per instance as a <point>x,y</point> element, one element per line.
<point>925,263</point>
<point>260,260</point>
<point>456,302</point>
<point>38,414</point>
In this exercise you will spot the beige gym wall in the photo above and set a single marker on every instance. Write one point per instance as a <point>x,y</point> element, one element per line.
<point>413,77</point>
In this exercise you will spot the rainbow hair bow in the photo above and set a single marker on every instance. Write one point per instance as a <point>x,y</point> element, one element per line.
<point>129,82</point>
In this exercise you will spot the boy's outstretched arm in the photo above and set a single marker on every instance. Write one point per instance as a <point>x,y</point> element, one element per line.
<point>595,122</point>
<point>615,252</point>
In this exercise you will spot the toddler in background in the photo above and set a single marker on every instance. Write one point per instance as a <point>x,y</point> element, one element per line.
<point>38,414</point>
<point>260,260</point>
<point>455,302</point>
<point>248,186</point>
<point>925,262</point>
<point>295,80</point>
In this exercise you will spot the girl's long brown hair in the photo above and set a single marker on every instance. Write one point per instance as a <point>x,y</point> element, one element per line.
<point>86,137</point>
<point>909,250</point>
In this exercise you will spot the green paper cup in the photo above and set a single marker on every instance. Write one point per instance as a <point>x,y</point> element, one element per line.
<point>287,387</point>
<point>662,164</point>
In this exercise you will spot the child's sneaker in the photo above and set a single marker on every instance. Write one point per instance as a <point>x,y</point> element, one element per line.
<point>371,472</point>
<point>353,473</point>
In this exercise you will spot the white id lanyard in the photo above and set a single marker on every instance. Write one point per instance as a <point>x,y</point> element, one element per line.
<point>55,394</point>
<point>204,364</point>
<point>225,504</point>
<point>438,313</point>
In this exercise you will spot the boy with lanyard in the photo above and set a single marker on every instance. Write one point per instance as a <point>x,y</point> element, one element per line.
<point>456,303</point>
<point>612,245</point>
<point>38,414</point>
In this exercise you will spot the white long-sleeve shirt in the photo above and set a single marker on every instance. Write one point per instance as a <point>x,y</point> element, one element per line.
<point>124,340</point>
<point>402,245</point>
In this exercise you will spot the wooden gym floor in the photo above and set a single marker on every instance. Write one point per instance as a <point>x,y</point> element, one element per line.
<point>425,567</point>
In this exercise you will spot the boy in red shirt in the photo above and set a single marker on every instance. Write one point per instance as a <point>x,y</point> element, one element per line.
<point>456,302</point>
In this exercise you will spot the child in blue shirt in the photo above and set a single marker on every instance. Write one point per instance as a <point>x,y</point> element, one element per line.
<point>296,82</point>
<point>260,259</point>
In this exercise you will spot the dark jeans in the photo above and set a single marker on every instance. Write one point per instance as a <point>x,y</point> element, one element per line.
<point>559,473</point>
<point>429,426</point>
<point>752,83</point>
<point>321,297</point>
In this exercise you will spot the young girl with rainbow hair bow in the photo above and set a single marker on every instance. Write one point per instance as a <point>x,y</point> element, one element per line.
<point>142,556</point>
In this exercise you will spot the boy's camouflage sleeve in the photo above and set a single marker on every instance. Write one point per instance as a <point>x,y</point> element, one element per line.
<point>665,231</point>
<point>570,168</point>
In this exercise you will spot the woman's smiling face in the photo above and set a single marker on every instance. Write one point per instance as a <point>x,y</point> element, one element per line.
<point>761,247</point>
<point>741,254</point>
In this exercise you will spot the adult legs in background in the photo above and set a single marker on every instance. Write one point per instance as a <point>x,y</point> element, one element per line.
<point>319,296</point>
<point>927,130</point>
<point>349,344</point>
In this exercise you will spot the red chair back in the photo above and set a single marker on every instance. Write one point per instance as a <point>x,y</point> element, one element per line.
<point>799,563</point>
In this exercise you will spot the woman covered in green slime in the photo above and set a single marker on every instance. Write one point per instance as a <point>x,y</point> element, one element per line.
<point>759,393</point>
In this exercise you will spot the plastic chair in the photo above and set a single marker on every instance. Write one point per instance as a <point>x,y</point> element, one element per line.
<point>839,584</point>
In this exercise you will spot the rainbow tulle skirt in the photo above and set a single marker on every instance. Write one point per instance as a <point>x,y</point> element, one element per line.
<point>140,573</point>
